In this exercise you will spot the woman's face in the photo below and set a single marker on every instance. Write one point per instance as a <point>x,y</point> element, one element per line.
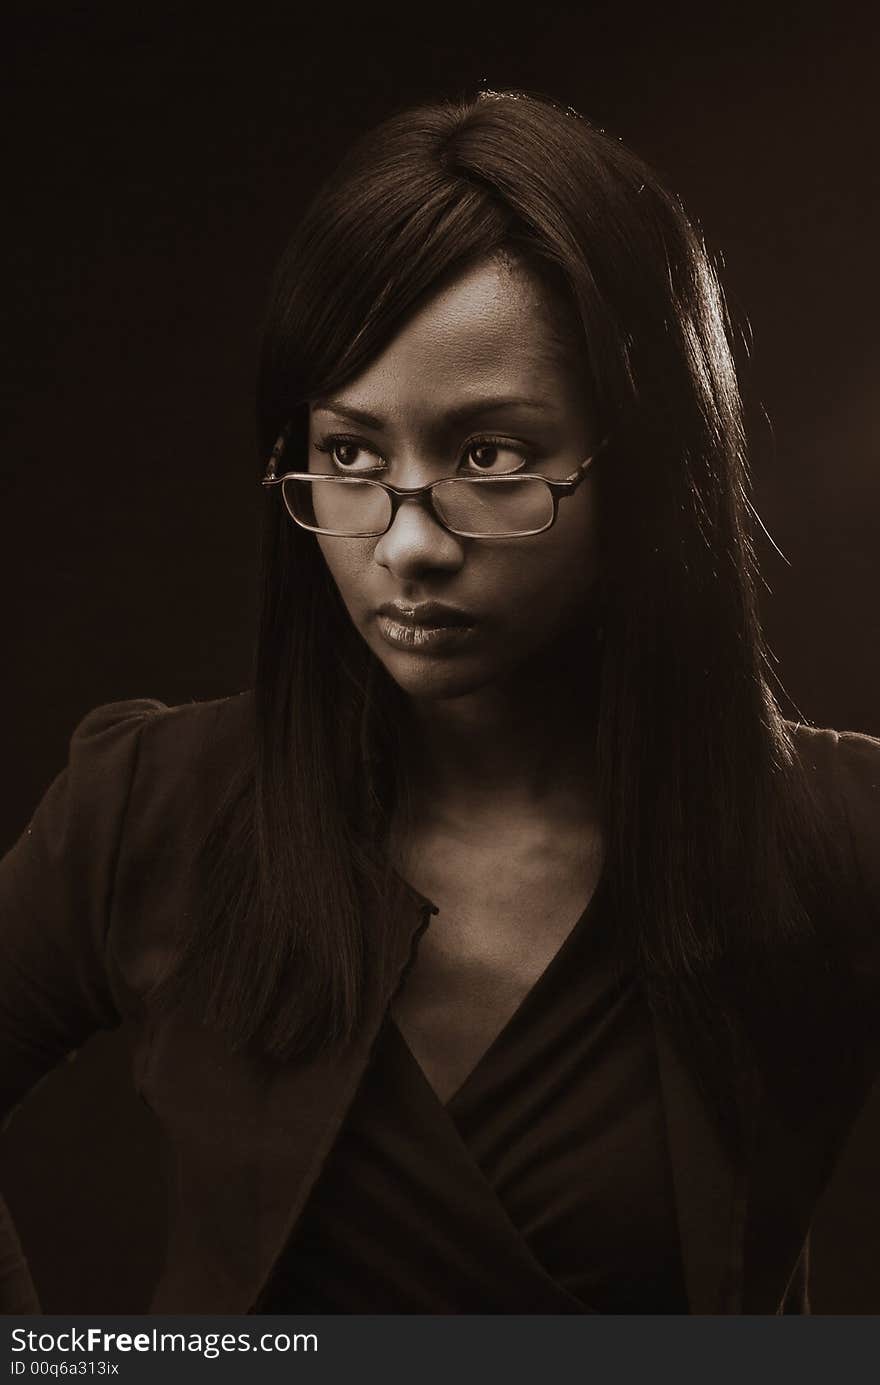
<point>483,379</point>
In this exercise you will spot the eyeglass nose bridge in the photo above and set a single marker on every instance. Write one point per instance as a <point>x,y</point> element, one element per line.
<point>424,497</point>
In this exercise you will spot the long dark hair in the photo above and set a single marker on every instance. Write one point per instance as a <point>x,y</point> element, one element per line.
<point>706,812</point>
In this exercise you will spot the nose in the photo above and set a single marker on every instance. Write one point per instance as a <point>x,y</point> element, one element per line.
<point>416,543</point>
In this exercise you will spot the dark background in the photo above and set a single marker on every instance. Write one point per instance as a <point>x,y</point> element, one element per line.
<point>155,163</point>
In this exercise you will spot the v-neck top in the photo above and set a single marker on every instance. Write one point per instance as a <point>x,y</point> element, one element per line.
<point>542,1186</point>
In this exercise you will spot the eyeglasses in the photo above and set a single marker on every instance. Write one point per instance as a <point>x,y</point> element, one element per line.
<point>471,507</point>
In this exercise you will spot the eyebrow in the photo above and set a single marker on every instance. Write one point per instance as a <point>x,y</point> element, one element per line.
<point>459,415</point>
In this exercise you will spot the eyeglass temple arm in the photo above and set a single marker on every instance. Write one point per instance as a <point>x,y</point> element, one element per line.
<point>580,470</point>
<point>271,477</point>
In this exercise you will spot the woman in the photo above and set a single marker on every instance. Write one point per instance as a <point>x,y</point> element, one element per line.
<point>504,950</point>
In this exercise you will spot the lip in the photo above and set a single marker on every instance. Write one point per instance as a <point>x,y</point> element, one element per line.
<point>427,627</point>
<point>430,614</point>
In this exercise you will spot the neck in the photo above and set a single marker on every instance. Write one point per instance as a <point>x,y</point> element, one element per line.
<point>516,747</point>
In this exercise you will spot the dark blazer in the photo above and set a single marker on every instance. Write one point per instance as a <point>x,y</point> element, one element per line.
<point>100,881</point>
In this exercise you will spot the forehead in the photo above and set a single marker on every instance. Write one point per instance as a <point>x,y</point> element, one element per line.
<point>495,328</point>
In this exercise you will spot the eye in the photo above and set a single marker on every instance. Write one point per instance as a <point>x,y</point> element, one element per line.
<point>349,455</point>
<point>490,456</point>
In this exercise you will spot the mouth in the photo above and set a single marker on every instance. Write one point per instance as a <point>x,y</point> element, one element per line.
<point>428,626</point>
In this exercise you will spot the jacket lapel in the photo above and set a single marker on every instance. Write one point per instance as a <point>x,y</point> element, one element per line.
<point>796,1148</point>
<point>318,1095</point>
<point>710,1189</point>
<point>274,1124</point>
<point>743,1223</point>
<point>710,1186</point>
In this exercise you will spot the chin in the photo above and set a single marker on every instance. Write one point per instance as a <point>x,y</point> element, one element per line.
<point>434,680</point>
<point>444,680</point>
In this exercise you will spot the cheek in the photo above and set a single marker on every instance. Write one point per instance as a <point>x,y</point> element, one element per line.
<point>553,572</point>
<point>345,565</point>
<point>576,545</point>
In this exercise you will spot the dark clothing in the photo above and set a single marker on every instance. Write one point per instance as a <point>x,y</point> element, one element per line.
<point>104,878</point>
<point>542,1185</point>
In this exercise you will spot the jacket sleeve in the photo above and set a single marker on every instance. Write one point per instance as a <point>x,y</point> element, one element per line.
<point>56,888</point>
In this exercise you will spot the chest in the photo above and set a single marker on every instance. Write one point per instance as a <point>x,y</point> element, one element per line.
<point>504,912</point>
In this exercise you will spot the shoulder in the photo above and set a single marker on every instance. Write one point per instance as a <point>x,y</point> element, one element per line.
<point>172,730</point>
<point>166,744</point>
<point>105,859</point>
<point>173,767</point>
<point>137,772</point>
<point>843,770</point>
<point>844,765</point>
<point>843,755</point>
<point>166,762</point>
<point>129,762</point>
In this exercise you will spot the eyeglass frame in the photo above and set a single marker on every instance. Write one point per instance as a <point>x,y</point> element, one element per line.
<point>558,488</point>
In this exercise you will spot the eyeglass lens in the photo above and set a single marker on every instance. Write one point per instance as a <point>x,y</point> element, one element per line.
<point>479,506</point>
